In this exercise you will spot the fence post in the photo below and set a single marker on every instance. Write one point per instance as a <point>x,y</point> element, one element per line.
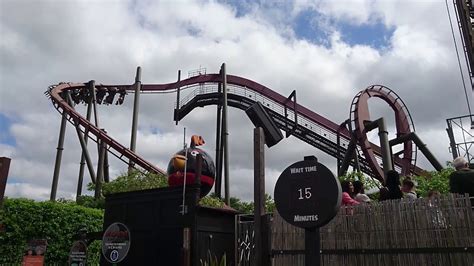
<point>259,192</point>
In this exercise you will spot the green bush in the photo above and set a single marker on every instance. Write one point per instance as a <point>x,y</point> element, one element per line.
<point>57,222</point>
<point>369,182</point>
<point>132,181</point>
<point>91,202</point>
<point>213,202</point>
<point>436,181</point>
<point>236,203</point>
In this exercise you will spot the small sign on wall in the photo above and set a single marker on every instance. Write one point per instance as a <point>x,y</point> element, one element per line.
<point>78,254</point>
<point>116,242</point>
<point>35,253</point>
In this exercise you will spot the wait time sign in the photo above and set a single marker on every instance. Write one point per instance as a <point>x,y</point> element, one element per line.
<point>307,194</point>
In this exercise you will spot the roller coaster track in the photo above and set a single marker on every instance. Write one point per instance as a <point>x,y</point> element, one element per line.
<point>311,127</point>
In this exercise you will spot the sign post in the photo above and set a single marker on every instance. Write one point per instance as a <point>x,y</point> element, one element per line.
<point>78,254</point>
<point>116,243</point>
<point>35,253</point>
<point>308,195</point>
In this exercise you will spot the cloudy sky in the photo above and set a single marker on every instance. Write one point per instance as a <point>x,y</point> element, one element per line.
<point>326,50</point>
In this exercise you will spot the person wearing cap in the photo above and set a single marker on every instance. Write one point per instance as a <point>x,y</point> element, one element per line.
<point>461,181</point>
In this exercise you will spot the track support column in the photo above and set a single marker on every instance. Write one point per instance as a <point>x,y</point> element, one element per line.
<point>136,107</point>
<point>225,135</point>
<point>100,170</point>
<point>452,141</point>
<point>83,143</point>
<point>80,179</point>
<point>384,144</point>
<point>217,186</point>
<point>59,154</point>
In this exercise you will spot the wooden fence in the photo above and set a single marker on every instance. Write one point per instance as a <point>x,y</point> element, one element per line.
<point>397,232</point>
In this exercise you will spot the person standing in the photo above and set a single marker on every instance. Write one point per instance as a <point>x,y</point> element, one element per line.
<point>461,181</point>
<point>359,192</point>
<point>408,187</point>
<point>392,187</point>
<point>347,192</point>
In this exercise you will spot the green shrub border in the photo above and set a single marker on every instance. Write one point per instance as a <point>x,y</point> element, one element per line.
<point>57,222</point>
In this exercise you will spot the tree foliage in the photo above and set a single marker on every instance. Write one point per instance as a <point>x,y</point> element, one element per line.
<point>57,222</point>
<point>91,202</point>
<point>369,182</point>
<point>430,181</point>
<point>133,181</point>
<point>248,207</point>
<point>212,202</point>
<point>433,181</point>
<point>237,204</point>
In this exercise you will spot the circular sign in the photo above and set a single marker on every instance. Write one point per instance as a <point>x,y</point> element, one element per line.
<point>307,194</point>
<point>116,242</point>
<point>78,254</point>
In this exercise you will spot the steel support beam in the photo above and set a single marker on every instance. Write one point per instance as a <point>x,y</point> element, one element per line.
<point>106,166</point>
<point>225,135</point>
<point>338,146</point>
<point>91,86</point>
<point>218,183</point>
<point>136,107</point>
<point>350,152</point>
<point>90,167</point>
<point>295,111</point>
<point>83,143</point>
<point>356,154</point>
<point>422,146</point>
<point>59,154</point>
<point>384,144</point>
<point>100,170</point>
<point>80,179</point>
<point>452,141</point>
<point>178,92</point>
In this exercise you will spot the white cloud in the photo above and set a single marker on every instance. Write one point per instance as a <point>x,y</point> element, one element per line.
<point>6,150</point>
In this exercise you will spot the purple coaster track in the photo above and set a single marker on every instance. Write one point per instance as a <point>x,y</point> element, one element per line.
<point>329,128</point>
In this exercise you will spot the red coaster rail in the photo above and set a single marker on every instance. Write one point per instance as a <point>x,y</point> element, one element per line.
<point>258,90</point>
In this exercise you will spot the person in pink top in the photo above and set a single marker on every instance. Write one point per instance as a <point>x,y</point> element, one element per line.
<point>347,191</point>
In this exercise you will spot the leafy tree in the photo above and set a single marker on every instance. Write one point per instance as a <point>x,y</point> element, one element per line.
<point>436,181</point>
<point>133,181</point>
<point>237,204</point>
<point>213,202</point>
<point>241,206</point>
<point>269,203</point>
<point>369,182</point>
<point>433,181</point>
<point>91,202</point>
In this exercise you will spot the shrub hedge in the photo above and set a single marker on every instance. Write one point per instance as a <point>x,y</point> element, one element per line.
<point>57,222</point>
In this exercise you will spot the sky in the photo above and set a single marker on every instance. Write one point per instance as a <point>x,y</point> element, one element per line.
<point>327,51</point>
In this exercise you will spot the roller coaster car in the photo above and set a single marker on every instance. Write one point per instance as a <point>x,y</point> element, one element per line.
<point>186,160</point>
